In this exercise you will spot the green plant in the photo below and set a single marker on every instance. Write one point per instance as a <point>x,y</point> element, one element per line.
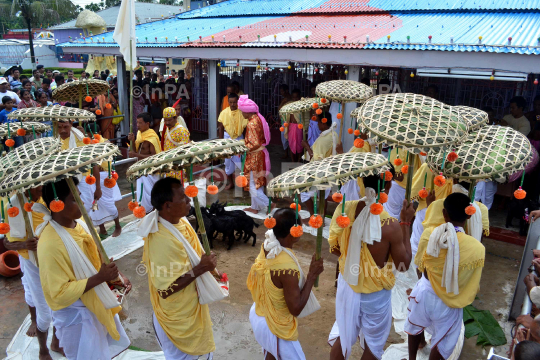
<point>483,324</point>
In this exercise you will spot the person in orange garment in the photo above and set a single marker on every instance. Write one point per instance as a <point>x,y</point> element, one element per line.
<point>225,100</point>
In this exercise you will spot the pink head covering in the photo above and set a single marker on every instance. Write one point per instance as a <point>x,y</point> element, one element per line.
<point>247,105</point>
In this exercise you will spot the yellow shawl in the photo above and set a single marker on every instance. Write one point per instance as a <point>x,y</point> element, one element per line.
<point>471,262</point>
<point>434,215</point>
<point>269,300</point>
<point>371,278</point>
<point>322,147</point>
<point>150,136</point>
<point>60,286</point>
<point>418,184</point>
<point>186,322</point>
<point>403,157</point>
<point>37,219</point>
<point>233,122</point>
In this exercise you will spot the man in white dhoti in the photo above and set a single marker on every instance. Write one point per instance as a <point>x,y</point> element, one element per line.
<point>367,248</point>
<point>26,246</point>
<point>74,281</point>
<point>485,192</point>
<point>231,125</point>
<point>181,321</point>
<point>280,292</point>
<point>146,144</point>
<point>451,263</point>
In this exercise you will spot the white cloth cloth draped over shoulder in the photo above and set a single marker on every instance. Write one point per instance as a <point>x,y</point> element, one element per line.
<point>82,267</point>
<point>365,228</point>
<point>75,135</point>
<point>445,237</point>
<point>274,248</point>
<point>208,289</point>
<point>474,224</point>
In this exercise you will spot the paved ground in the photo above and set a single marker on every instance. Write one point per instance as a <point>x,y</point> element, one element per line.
<point>232,331</point>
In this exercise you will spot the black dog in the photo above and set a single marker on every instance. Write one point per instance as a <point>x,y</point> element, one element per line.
<point>223,224</point>
<point>244,223</point>
<point>521,209</point>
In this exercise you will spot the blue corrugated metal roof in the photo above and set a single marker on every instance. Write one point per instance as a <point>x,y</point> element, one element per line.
<point>286,7</point>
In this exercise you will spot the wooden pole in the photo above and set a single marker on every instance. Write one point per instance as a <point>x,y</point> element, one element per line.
<point>342,116</point>
<point>304,133</point>
<point>320,210</point>
<point>95,236</point>
<point>412,159</point>
<point>27,225</point>
<point>55,128</point>
<point>80,96</point>
<point>200,221</point>
<point>131,145</point>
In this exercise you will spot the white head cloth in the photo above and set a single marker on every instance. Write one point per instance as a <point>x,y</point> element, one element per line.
<point>474,224</point>
<point>365,228</point>
<point>445,237</point>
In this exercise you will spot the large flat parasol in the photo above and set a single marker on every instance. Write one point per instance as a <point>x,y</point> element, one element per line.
<point>28,126</point>
<point>52,113</point>
<point>184,156</point>
<point>474,117</point>
<point>76,90</point>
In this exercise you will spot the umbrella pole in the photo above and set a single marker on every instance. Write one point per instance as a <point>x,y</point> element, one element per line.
<point>341,126</point>
<point>27,225</point>
<point>80,97</point>
<point>88,221</point>
<point>318,247</point>
<point>412,159</point>
<point>198,215</point>
<point>55,129</point>
<point>131,93</point>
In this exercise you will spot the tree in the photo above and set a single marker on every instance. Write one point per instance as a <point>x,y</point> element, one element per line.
<point>32,13</point>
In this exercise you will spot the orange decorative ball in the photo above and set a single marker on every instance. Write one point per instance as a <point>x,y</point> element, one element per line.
<point>470,210</point>
<point>21,132</point>
<point>376,209</point>
<point>13,211</point>
<point>282,129</point>
<point>212,189</point>
<point>90,179</point>
<point>139,212</point>
<point>318,111</point>
<point>350,130</point>
<point>383,198</point>
<point>109,183</point>
<point>314,118</point>
<point>315,221</point>
<point>343,221</point>
<point>4,228</point>
<point>405,169</point>
<point>323,100</point>
<point>359,143</point>
<point>88,98</point>
<point>315,105</point>
<point>241,181</point>
<point>452,156</point>
<point>191,191</point>
<point>337,197</point>
<point>10,143</point>
<point>108,106</point>
<point>56,205</point>
<point>286,124</point>
<point>97,136</point>
<point>132,205</point>
<point>520,194</point>
<point>28,206</point>
<point>95,141</point>
<point>324,120</point>
<point>98,112</point>
<point>300,126</point>
<point>423,193</point>
<point>440,180</point>
<point>293,206</point>
<point>297,231</point>
<point>423,153</point>
<point>339,116</point>
<point>356,132</point>
<point>387,175</point>
<point>269,222</point>
<point>398,162</point>
<point>114,175</point>
<point>87,141</point>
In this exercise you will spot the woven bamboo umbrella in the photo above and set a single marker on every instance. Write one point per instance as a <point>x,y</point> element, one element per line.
<point>28,127</point>
<point>28,153</point>
<point>333,170</point>
<point>75,90</point>
<point>58,166</point>
<point>54,113</point>
<point>303,107</point>
<point>185,156</point>
<point>474,117</point>
<point>344,91</point>
<point>414,122</point>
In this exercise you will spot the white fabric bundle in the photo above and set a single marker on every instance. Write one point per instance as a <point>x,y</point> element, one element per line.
<point>474,224</point>
<point>445,237</point>
<point>75,135</point>
<point>274,248</point>
<point>208,288</point>
<point>365,228</point>
<point>82,267</point>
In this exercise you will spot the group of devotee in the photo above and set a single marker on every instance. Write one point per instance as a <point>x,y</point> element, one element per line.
<point>67,284</point>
